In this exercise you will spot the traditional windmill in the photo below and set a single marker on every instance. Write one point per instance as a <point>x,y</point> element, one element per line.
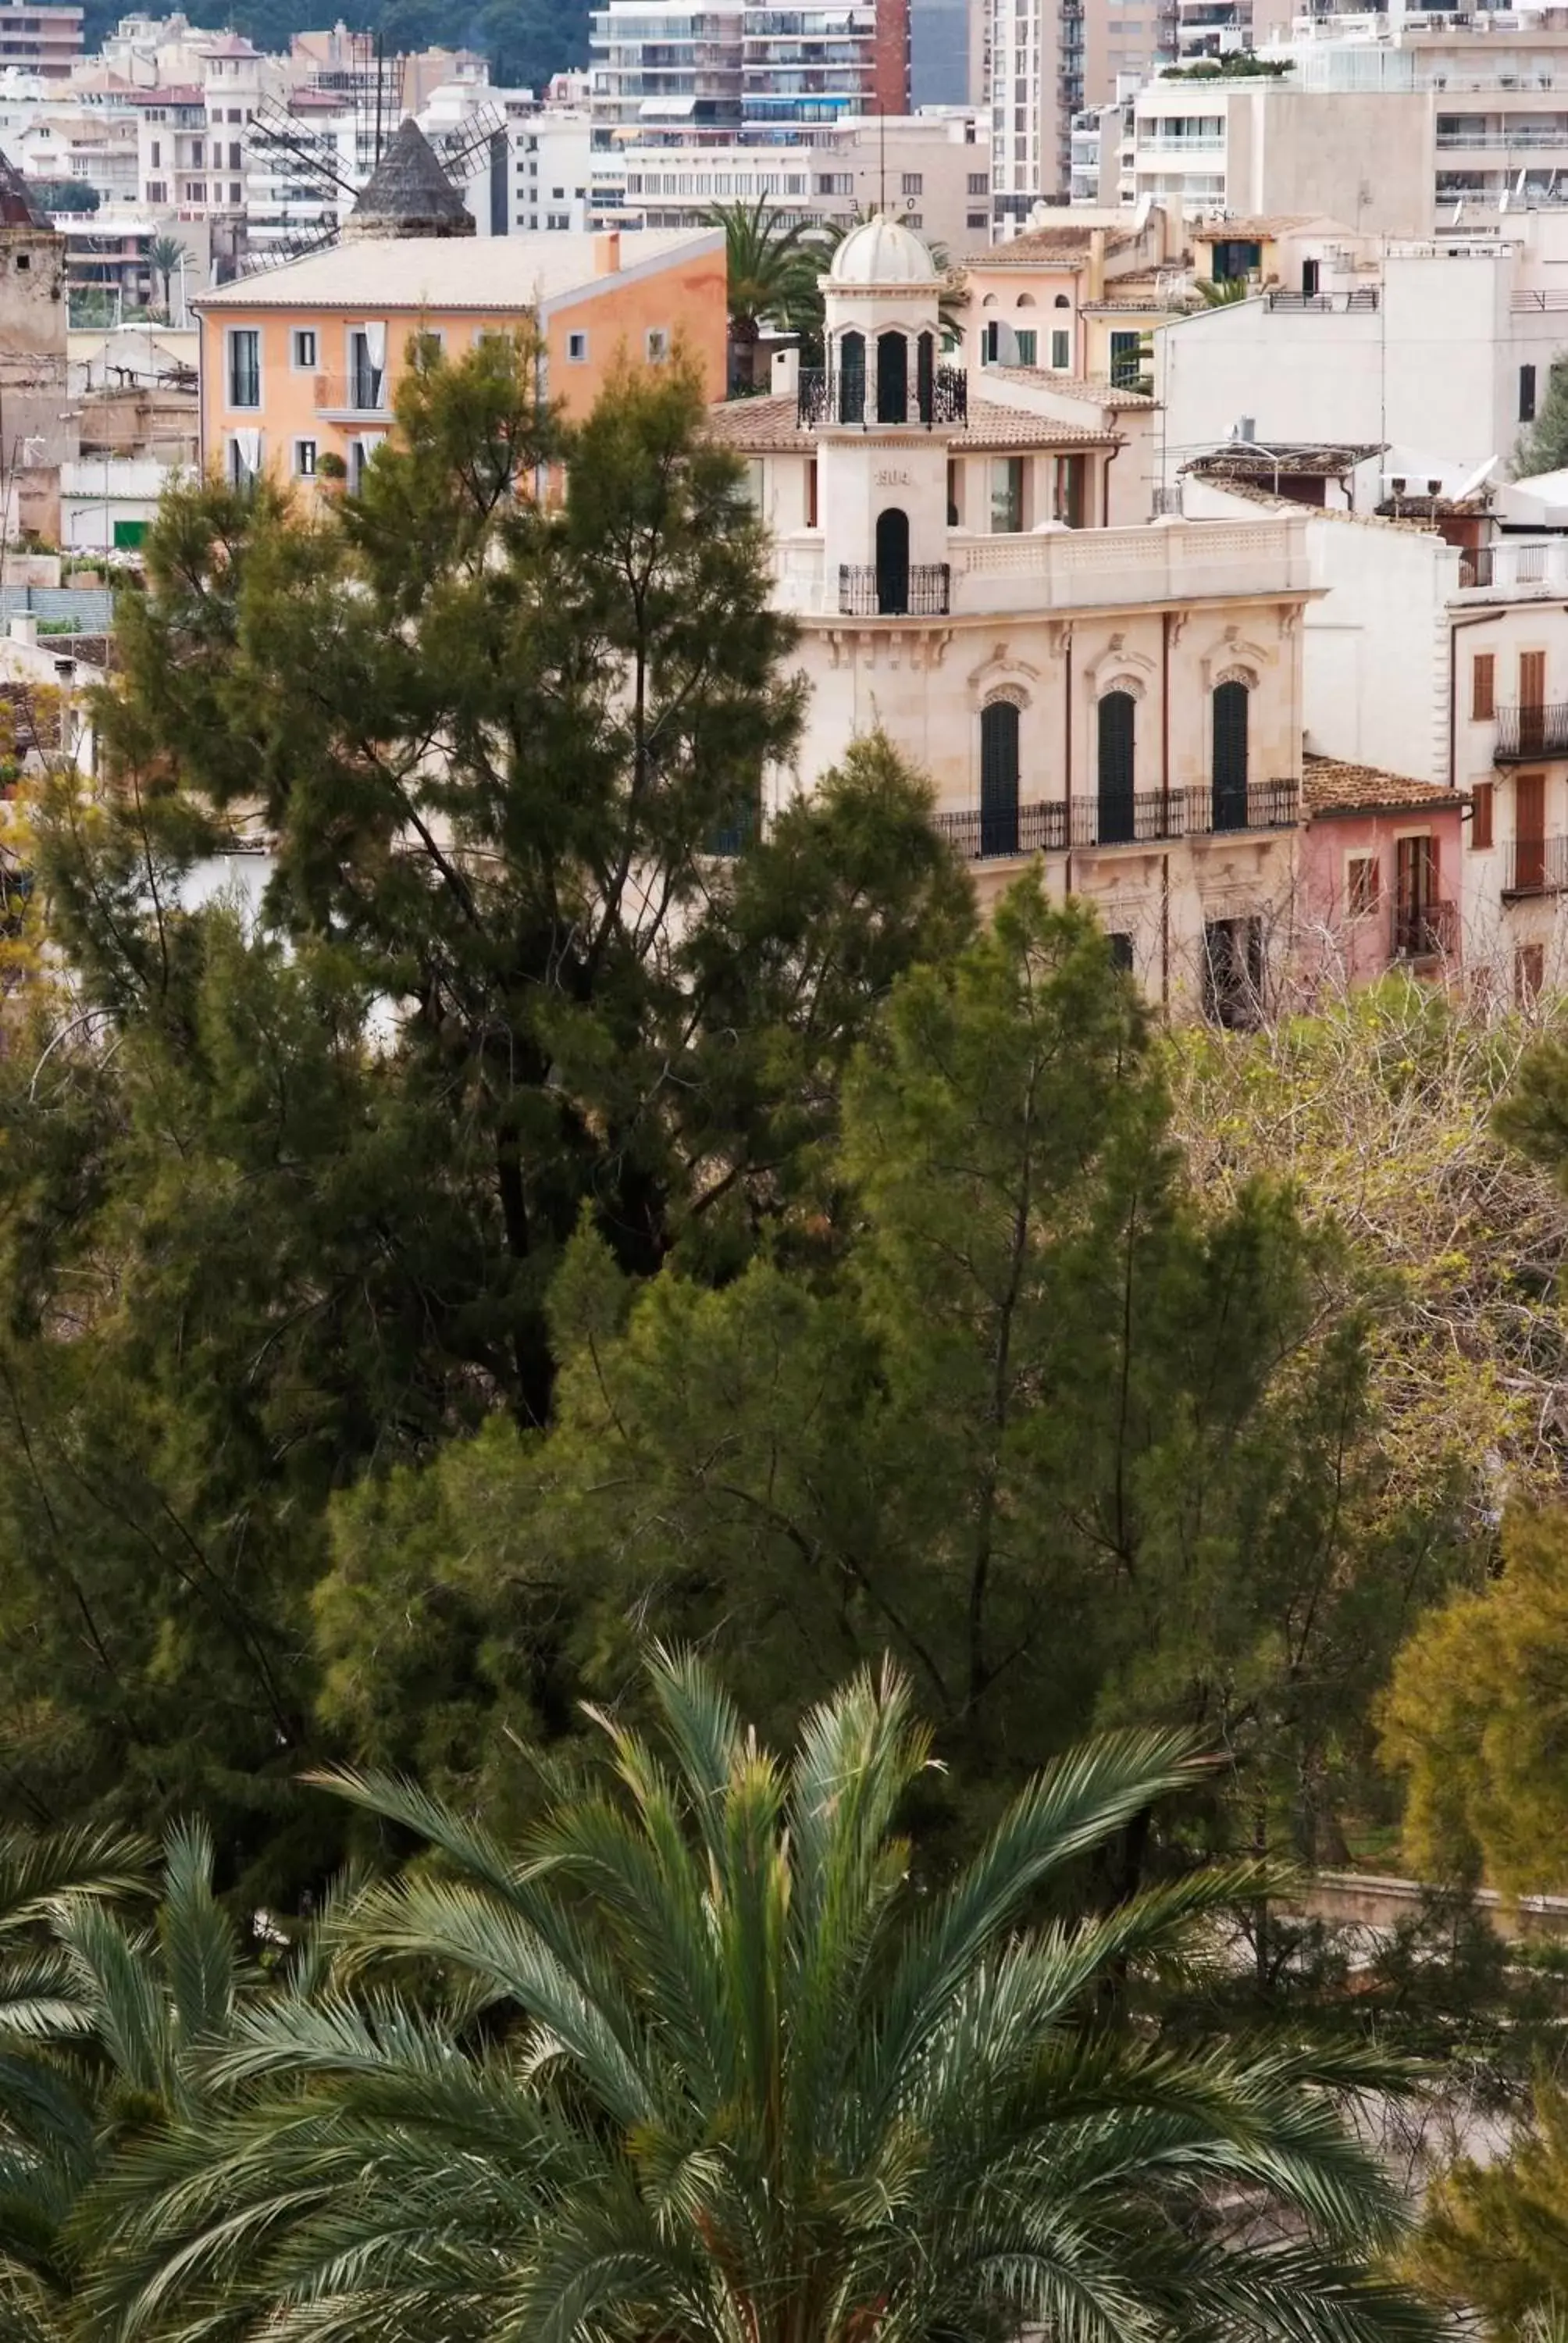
<point>410,175</point>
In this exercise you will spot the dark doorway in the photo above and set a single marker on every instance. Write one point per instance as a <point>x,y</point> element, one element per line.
<point>892,378</point>
<point>892,562</point>
<point>851,378</point>
<point>1117,807</point>
<point>999,778</point>
<point>1230,773</point>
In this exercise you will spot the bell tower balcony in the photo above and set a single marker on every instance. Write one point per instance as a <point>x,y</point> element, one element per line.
<point>828,395</point>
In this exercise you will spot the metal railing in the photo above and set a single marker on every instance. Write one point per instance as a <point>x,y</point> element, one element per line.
<point>1535,866</point>
<point>1362,297</point>
<point>1141,818</point>
<point>360,392</point>
<point>1526,732</point>
<point>1517,562</point>
<point>827,395</point>
<point>865,593</point>
<point>1424,930</point>
<point>1262,805</point>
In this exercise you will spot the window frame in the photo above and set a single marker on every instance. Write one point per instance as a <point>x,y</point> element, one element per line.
<point>233,336</point>
<point>1483,816</point>
<point>1482,686</point>
<point>297,363</point>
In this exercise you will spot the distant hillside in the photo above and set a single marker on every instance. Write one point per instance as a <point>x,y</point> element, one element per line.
<point>525,41</point>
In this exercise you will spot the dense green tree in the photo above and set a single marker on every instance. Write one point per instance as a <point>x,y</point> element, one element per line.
<point>705,2060</point>
<point>1072,1445</point>
<point>1543,447</point>
<point>282,1197</point>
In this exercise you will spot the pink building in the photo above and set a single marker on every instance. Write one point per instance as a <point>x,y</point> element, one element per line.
<point>1379,871</point>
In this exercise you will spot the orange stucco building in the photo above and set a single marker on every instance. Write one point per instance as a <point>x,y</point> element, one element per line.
<point>304,360</point>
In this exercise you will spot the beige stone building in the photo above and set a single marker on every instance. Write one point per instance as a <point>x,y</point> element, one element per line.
<point>1124,702</point>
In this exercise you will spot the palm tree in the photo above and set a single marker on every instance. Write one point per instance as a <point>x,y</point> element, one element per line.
<point>166,255</point>
<point>705,2061</point>
<point>772,272</point>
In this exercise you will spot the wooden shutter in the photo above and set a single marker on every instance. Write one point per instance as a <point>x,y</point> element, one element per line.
<point>1480,815</point>
<point>1230,779</point>
<point>1483,686</point>
<point>999,778</point>
<point>1530,830</point>
<point>1117,767</point>
<point>925,375</point>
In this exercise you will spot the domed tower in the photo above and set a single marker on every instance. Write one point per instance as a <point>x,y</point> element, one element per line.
<point>883,409</point>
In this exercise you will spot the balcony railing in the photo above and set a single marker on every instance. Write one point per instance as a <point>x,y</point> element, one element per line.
<point>1514,565</point>
<point>361,392</point>
<point>1526,732</point>
<point>1143,818</point>
<point>1535,866</point>
<point>1260,805</point>
<point>1360,297</point>
<point>1424,930</point>
<point>827,395</point>
<point>923,592</point>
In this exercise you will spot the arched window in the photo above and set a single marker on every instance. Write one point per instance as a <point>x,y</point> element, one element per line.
<point>1024,301</point>
<point>925,375</point>
<point>1118,808</point>
<point>851,378</point>
<point>892,562</point>
<point>999,779</point>
<point>1061,302</point>
<point>892,378</point>
<point>1230,767</point>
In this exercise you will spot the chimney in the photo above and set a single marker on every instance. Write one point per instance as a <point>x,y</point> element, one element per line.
<point>607,253</point>
<point>786,374</point>
<point>1096,291</point>
<point>24,628</point>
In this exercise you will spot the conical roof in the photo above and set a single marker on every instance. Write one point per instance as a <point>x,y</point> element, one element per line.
<point>409,193</point>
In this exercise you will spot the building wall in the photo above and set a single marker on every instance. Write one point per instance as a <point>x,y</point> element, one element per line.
<point>1336,942</point>
<point>686,302</point>
<point>1277,149</point>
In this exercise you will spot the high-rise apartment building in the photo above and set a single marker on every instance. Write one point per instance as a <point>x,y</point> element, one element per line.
<point>744,70</point>
<point>47,41</point>
<point>1036,88</point>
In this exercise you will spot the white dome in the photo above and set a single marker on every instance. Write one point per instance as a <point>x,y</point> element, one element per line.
<point>883,251</point>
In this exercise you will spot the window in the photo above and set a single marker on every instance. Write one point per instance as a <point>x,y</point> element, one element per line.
<point>576,348</point>
<point>305,458</point>
<point>892,562</point>
<point>195,155</point>
<point>1232,970</point>
<point>1120,944</point>
<point>1027,343</point>
<point>811,492</point>
<point>235,191</point>
<point>1360,885</point>
<point>999,779</point>
<point>130,534</point>
<point>979,183</point>
<point>1529,833</point>
<point>754,484</point>
<point>1480,815</point>
<point>955,482</point>
<point>233,163</point>
<point>1529,973</point>
<point>1006,494</point>
<point>156,157</point>
<point>1484,686</point>
<point>914,183</point>
<point>1229,772</point>
<point>656,343</point>
<point>892,378</point>
<point>1126,360</point>
<point>244,365</point>
<point>1527,394</point>
<point>305,348</point>
<point>1416,933</point>
<point>366,367</point>
<point>157,191</point>
<point>1116,767</point>
<point>977,219</point>
<point>851,376</point>
<point>1061,350</point>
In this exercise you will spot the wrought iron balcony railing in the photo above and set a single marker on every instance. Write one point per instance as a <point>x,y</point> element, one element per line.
<point>1115,818</point>
<point>922,591</point>
<point>1535,866</point>
<point>1526,732</point>
<point>1424,930</point>
<point>833,395</point>
<point>1260,805</point>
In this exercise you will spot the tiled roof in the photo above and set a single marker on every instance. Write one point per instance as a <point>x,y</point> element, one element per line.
<point>763,427</point>
<point>1041,248</point>
<point>1259,459</point>
<point>1093,391</point>
<point>1250,493</point>
<point>508,275</point>
<point>1329,786</point>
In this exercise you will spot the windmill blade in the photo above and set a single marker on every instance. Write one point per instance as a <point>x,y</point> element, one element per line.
<point>465,149</point>
<point>296,246</point>
<point>274,133</point>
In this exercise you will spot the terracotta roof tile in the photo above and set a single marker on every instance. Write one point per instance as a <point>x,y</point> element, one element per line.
<point>1093,391</point>
<point>1331,786</point>
<point>761,426</point>
<point>1040,247</point>
<point>1250,231</point>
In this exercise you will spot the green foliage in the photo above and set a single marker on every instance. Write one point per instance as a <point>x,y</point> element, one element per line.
<point>1494,2240</point>
<point>773,274</point>
<point>701,2058</point>
<point>1009,1402</point>
<point>1543,447</point>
